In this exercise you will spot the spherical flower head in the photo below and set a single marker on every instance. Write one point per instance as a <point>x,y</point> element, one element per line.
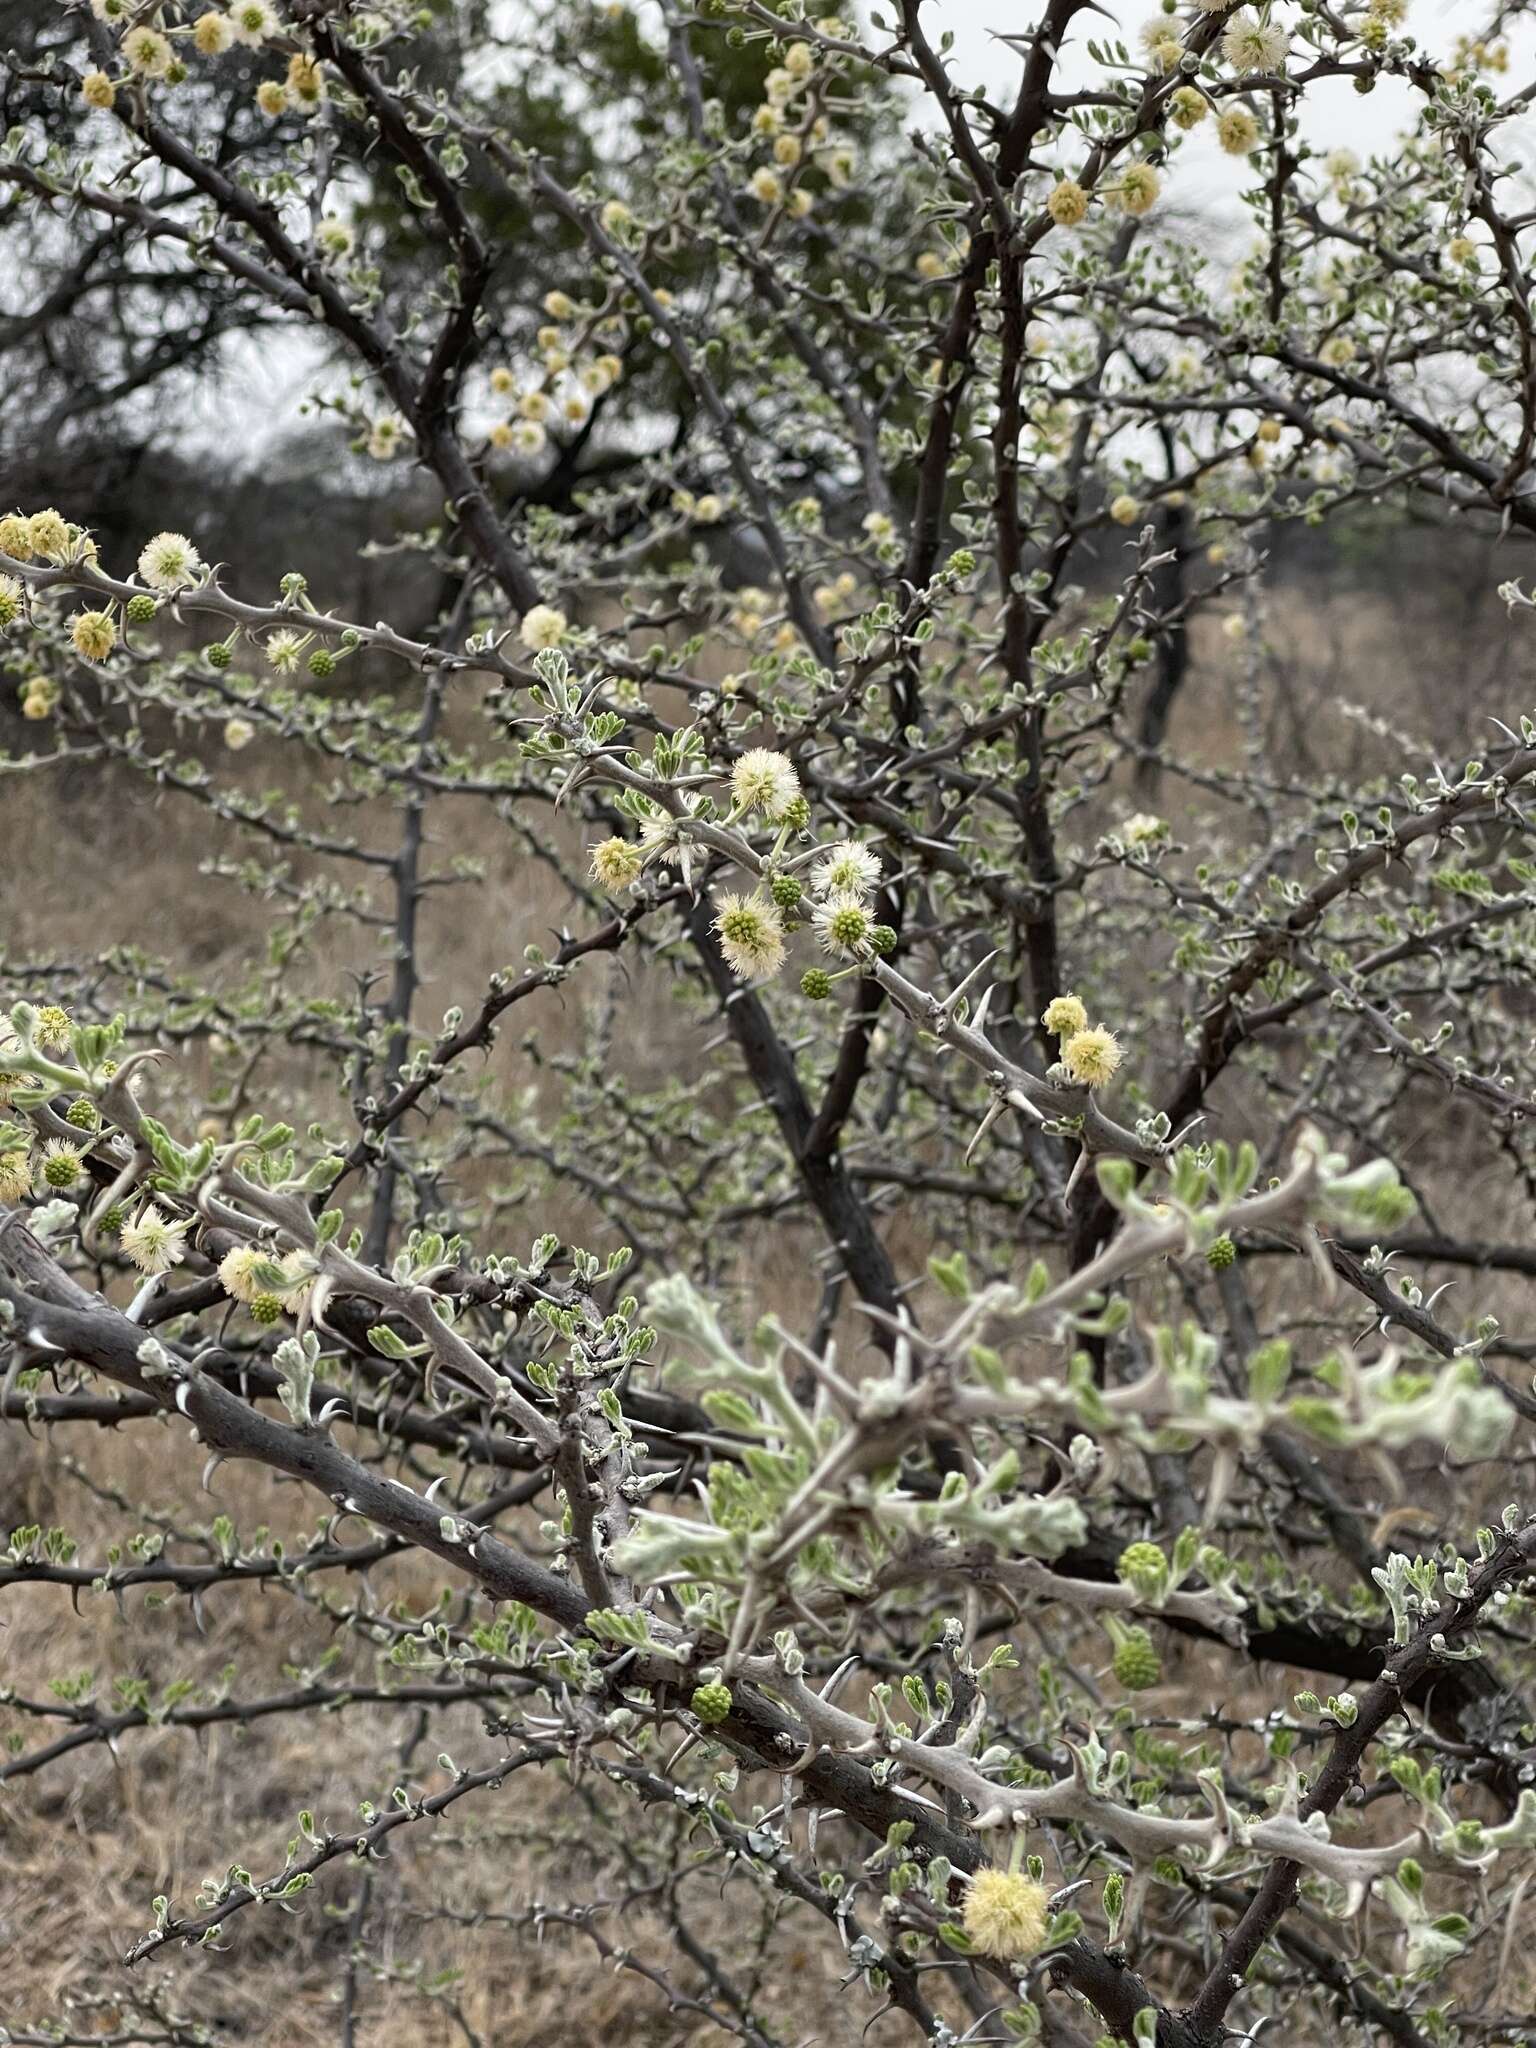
<point>839,165</point>
<point>930,264</point>
<point>1143,1567</point>
<point>1092,1057</point>
<point>1139,187</point>
<point>15,1175</point>
<point>169,562</point>
<point>615,217</point>
<point>212,34</point>
<point>306,82</point>
<point>10,601</point>
<point>1254,45</point>
<point>238,734</point>
<point>799,60</point>
<point>767,120</point>
<point>785,891</point>
<point>767,186</point>
<point>238,1271</point>
<point>1160,39</point>
<point>1462,251</point>
<point>219,655</point>
<point>321,664</point>
<point>48,533</point>
<point>616,864</point>
<point>385,437</point>
<point>39,700</point>
<point>1144,828</point>
<point>1337,350</point>
<point>283,650</point>
<point>528,437</point>
<point>1065,1016</point>
<point>155,1242</point>
<point>1006,1914</point>
<point>751,935</point>
<point>844,926</point>
<point>1237,132</point>
<point>1188,107</point>
<point>111,11</point>
<point>251,22</point>
<point>816,984</point>
<point>147,53</point>
<point>15,538</point>
<point>51,1027</point>
<point>1136,1663</point>
<point>780,86</point>
<point>334,239</point>
<point>81,1114</point>
<point>787,151</point>
<point>1221,1253</point>
<point>1067,203</point>
<point>765,781</point>
<point>543,626</point>
<point>272,98</point>
<point>847,869</point>
<point>1125,510</point>
<point>267,1309</point>
<point>558,305</point>
<point>97,90</point>
<point>707,511</point>
<point>712,1703</point>
<point>60,1165</point>
<point>94,635</point>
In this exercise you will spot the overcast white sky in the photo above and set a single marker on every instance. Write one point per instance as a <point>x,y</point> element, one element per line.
<point>273,378</point>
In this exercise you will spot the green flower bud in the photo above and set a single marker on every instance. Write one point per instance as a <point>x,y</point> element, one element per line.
<point>785,891</point>
<point>1221,1253</point>
<point>81,1113</point>
<point>322,663</point>
<point>1143,1567</point>
<point>796,814</point>
<point>712,1703</point>
<point>961,562</point>
<point>1136,1662</point>
<point>266,1308</point>
<point>883,938</point>
<point>816,983</point>
<point>112,1222</point>
<point>141,609</point>
<point>219,655</point>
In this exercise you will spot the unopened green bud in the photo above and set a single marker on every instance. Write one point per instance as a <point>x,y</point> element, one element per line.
<point>712,1703</point>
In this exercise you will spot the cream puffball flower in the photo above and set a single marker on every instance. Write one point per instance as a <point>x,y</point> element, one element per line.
<point>543,626</point>
<point>169,562</point>
<point>764,781</point>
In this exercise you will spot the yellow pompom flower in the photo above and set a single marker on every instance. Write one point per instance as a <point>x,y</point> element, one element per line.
<point>147,52</point>
<point>765,781</point>
<point>1188,107</point>
<point>212,34</point>
<point>1237,131</point>
<point>94,635</point>
<point>543,626</point>
<point>238,1270</point>
<point>616,863</point>
<point>1065,1016</point>
<point>1006,1914</point>
<point>1067,203</point>
<point>1139,188</point>
<point>15,1175</point>
<point>1125,510</point>
<point>97,90</point>
<point>751,935</point>
<point>48,532</point>
<point>15,538</point>
<point>1092,1057</point>
<point>271,98</point>
<point>767,186</point>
